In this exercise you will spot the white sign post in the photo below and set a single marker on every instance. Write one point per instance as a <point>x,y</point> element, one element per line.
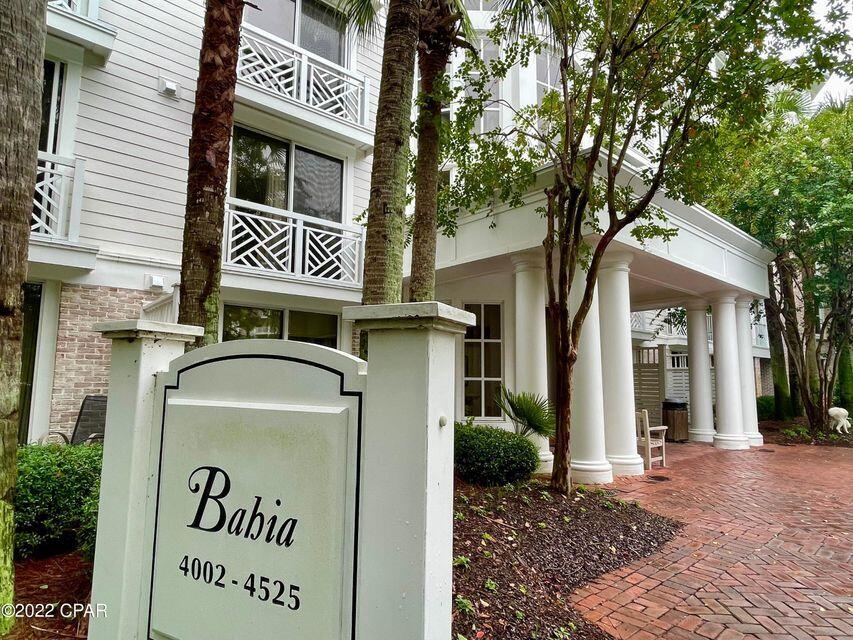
<point>276,489</point>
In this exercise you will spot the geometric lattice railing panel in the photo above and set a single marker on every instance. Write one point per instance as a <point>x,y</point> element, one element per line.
<point>52,196</point>
<point>279,241</point>
<point>288,71</point>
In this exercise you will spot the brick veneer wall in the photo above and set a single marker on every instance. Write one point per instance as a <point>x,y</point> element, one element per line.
<point>83,356</point>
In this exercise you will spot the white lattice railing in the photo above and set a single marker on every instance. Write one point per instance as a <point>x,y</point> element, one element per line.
<point>274,240</point>
<point>69,5</point>
<point>281,68</point>
<point>58,197</point>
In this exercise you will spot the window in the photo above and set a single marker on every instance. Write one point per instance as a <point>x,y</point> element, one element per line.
<point>241,323</point>
<point>310,24</point>
<point>547,74</point>
<point>491,118</point>
<point>483,361</point>
<point>51,105</point>
<point>260,168</point>
<point>316,328</point>
<point>480,5</point>
<point>267,170</point>
<point>317,185</point>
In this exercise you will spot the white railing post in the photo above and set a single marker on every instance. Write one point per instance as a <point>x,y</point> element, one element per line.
<point>365,101</point>
<point>299,247</point>
<point>226,236</point>
<point>361,248</point>
<point>92,9</point>
<point>304,70</point>
<point>76,200</point>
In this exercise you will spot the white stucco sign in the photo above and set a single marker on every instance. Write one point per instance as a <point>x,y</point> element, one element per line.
<point>255,510</point>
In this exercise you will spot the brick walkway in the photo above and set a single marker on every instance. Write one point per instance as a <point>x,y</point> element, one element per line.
<point>767,550</point>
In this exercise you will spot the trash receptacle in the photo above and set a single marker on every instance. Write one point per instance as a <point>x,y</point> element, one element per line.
<point>674,416</point>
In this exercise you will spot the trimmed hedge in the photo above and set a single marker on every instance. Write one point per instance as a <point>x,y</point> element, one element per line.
<point>766,407</point>
<point>492,457</point>
<point>54,484</point>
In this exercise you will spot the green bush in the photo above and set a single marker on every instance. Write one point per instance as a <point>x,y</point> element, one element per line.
<point>766,407</point>
<point>54,484</point>
<point>492,457</point>
<point>89,523</point>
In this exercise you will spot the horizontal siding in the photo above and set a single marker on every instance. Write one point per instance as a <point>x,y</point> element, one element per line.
<point>135,141</point>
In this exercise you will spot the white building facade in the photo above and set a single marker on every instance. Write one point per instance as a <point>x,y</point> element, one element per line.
<point>111,188</point>
<point>108,218</point>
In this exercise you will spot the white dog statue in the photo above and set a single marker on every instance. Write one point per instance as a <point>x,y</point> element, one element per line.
<point>840,420</point>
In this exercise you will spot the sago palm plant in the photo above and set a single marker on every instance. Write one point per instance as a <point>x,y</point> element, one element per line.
<point>529,413</point>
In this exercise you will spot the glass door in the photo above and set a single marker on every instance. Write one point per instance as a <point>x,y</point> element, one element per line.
<point>29,344</point>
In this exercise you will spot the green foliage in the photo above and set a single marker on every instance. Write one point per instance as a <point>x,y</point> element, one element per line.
<point>529,413</point>
<point>89,523</point>
<point>54,498</point>
<point>492,457</point>
<point>766,407</point>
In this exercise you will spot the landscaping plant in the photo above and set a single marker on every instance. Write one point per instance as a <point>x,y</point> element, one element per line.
<point>489,456</point>
<point>56,498</point>
<point>529,413</point>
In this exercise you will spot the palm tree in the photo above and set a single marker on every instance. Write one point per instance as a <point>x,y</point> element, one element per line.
<point>22,30</point>
<point>386,225</point>
<point>213,119</point>
<point>530,414</point>
<point>444,27</point>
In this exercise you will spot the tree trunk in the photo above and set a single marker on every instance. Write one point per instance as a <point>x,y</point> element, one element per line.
<point>422,284</point>
<point>22,31</point>
<point>781,390</point>
<point>386,225</point>
<point>845,378</point>
<point>213,119</point>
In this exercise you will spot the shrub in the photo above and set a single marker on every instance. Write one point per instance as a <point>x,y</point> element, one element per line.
<point>766,407</point>
<point>492,457</point>
<point>89,523</point>
<point>54,484</point>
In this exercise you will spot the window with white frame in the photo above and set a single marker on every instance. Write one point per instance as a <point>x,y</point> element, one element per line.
<point>310,24</point>
<point>491,118</point>
<point>277,173</point>
<point>480,5</point>
<point>547,74</point>
<point>51,105</point>
<point>244,323</point>
<point>483,366</point>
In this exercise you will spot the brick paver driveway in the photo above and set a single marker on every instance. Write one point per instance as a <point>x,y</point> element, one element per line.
<point>766,551</point>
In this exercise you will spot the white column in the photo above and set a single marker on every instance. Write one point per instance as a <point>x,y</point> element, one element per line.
<point>589,464</point>
<point>699,363</point>
<point>729,413</point>
<point>140,349</point>
<point>406,550</point>
<point>617,366</point>
<point>747,372</point>
<point>531,364</point>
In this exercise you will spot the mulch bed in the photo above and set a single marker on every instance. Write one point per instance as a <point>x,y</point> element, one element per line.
<point>520,551</point>
<point>795,431</point>
<point>60,579</point>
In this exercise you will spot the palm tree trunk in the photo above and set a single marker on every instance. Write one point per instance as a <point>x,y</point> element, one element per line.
<point>22,31</point>
<point>213,119</point>
<point>422,285</point>
<point>386,225</point>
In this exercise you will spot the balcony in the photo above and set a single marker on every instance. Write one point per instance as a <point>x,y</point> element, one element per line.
<point>77,21</point>
<point>272,241</point>
<point>323,95</point>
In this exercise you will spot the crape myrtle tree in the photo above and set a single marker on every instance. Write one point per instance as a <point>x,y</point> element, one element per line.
<point>797,197</point>
<point>636,77</point>
<point>22,31</point>
<point>213,120</point>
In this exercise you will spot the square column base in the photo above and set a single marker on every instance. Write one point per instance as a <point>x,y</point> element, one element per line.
<point>627,465</point>
<point>546,462</point>
<point>734,442</point>
<point>591,472</point>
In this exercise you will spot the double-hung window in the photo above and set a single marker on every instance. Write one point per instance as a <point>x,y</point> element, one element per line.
<point>491,118</point>
<point>547,74</point>
<point>483,347</point>
<point>313,25</point>
<point>277,173</point>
